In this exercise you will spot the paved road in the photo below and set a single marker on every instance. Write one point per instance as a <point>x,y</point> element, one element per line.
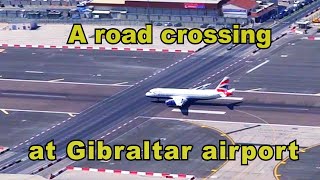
<point>132,102</point>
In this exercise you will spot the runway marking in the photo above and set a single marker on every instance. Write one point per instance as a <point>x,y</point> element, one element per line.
<point>71,114</point>
<point>4,111</point>
<point>35,72</point>
<point>56,80</point>
<point>59,82</point>
<point>279,93</point>
<point>229,122</point>
<point>54,126</point>
<point>201,111</point>
<point>257,89</point>
<point>33,95</point>
<point>38,111</point>
<point>257,66</point>
<point>275,107</point>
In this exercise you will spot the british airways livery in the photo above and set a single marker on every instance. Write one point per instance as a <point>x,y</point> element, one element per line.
<point>178,97</point>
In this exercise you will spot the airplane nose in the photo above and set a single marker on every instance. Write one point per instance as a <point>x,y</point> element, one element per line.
<point>148,94</point>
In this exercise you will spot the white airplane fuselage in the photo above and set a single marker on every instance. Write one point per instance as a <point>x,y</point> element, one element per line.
<point>188,93</point>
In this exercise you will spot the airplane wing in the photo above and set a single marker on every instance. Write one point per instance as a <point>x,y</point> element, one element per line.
<point>179,100</point>
<point>203,86</point>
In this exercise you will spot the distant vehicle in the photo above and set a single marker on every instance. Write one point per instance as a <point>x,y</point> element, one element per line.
<point>205,25</point>
<point>168,24</point>
<point>158,24</point>
<point>229,48</point>
<point>178,24</point>
<point>210,26</point>
<point>178,97</point>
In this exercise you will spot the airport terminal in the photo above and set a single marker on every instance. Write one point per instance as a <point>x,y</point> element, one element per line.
<point>74,108</point>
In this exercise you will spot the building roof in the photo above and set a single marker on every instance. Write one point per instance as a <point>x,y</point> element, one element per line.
<point>245,4</point>
<point>155,1</point>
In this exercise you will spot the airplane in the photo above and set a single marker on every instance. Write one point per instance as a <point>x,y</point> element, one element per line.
<point>179,97</point>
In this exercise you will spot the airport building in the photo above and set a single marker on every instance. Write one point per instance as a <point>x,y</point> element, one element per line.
<point>258,11</point>
<point>161,7</point>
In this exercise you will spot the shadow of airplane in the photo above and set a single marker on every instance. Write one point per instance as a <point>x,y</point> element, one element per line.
<point>185,108</point>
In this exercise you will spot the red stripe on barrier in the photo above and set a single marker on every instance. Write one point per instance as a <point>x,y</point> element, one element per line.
<point>117,171</point>
<point>101,170</point>
<point>85,169</point>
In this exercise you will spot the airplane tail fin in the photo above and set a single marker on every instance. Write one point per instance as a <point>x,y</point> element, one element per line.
<point>224,87</point>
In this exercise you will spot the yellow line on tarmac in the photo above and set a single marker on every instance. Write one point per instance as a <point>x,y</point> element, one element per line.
<point>222,134</point>
<point>276,174</point>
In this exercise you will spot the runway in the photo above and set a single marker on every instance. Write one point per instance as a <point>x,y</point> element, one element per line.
<point>285,70</point>
<point>130,103</point>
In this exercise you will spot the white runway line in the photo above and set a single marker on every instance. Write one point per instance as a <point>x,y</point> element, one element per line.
<point>201,111</point>
<point>38,111</point>
<point>4,111</point>
<point>71,114</point>
<point>275,107</point>
<point>229,122</point>
<point>121,83</point>
<point>279,93</point>
<point>33,95</point>
<point>257,66</point>
<point>56,80</point>
<point>36,72</point>
<point>59,82</point>
<point>257,89</point>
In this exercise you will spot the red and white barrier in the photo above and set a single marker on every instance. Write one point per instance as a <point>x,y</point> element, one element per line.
<point>312,38</point>
<point>166,175</point>
<point>296,31</point>
<point>95,48</point>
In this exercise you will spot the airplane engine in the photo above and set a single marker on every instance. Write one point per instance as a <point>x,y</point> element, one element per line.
<point>170,102</point>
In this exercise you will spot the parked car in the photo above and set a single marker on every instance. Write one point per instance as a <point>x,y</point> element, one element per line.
<point>210,26</point>
<point>178,24</point>
<point>168,24</point>
<point>158,24</point>
<point>205,25</point>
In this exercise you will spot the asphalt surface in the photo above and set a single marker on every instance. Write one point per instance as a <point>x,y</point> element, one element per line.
<point>307,167</point>
<point>291,68</point>
<point>107,67</point>
<point>246,112</point>
<point>168,132</point>
<point>16,127</point>
<point>46,91</point>
<point>132,102</point>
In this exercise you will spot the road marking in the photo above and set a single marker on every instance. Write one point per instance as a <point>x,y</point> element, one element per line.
<point>200,111</point>
<point>56,80</point>
<point>275,107</point>
<point>257,66</point>
<point>37,111</point>
<point>33,95</point>
<point>4,111</point>
<point>229,122</point>
<point>36,72</point>
<point>59,82</point>
<point>279,93</point>
<point>121,83</point>
<point>71,114</point>
<point>257,89</point>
